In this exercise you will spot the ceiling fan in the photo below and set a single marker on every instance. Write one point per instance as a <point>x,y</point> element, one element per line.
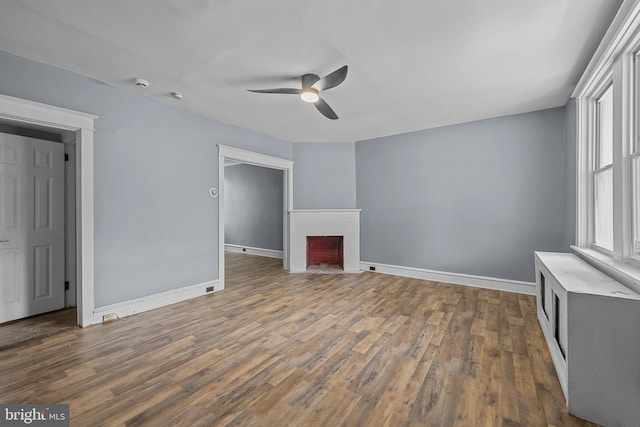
<point>312,85</point>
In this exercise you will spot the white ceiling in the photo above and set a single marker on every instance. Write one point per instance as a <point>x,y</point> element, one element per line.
<point>413,64</point>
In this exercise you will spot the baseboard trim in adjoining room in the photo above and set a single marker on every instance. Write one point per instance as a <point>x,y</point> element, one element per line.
<point>528,288</point>
<point>150,302</point>
<point>270,253</point>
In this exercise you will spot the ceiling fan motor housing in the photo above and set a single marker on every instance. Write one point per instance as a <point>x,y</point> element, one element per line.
<point>308,80</point>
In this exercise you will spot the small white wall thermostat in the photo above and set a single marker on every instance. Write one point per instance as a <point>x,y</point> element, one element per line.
<point>213,192</point>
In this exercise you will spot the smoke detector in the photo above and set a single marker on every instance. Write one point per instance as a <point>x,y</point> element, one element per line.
<point>176,95</point>
<point>142,83</point>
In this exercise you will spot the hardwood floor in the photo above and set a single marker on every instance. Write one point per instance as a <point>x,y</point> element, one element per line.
<point>35,328</point>
<point>275,349</point>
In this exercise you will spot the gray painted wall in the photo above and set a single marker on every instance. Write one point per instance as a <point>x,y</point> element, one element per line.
<point>253,206</point>
<point>156,227</point>
<point>324,176</point>
<point>570,176</point>
<point>476,198</point>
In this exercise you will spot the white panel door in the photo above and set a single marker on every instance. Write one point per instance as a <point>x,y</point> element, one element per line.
<point>31,226</point>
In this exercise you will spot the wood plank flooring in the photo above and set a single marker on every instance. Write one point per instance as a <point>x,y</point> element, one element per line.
<point>275,349</point>
<point>35,328</point>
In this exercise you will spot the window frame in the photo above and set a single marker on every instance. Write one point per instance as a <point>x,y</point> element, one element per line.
<point>595,167</point>
<point>633,152</point>
<point>616,62</point>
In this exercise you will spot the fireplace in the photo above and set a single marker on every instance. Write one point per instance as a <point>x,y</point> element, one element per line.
<point>327,250</point>
<point>332,236</point>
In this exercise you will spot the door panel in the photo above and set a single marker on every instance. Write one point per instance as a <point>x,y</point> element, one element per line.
<point>41,159</point>
<point>10,275</point>
<point>42,272</point>
<point>31,226</point>
<point>9,212</point>
<point>42,198</point>
<point>8,154</point>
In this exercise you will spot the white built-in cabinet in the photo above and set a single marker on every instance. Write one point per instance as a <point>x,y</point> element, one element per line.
<point>592,327</point>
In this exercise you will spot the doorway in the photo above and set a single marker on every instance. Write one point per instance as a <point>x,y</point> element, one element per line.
<point>253,210</point>
<point>32,226</point>
<point>76,129</point>
<point>226,154</point>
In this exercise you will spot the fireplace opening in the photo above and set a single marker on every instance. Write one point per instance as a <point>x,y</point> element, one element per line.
<point>325,251</point>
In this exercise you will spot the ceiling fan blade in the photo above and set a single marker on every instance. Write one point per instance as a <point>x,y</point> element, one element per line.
<point>324,108</point>
<point>277,90</point>
<point>331,79</point>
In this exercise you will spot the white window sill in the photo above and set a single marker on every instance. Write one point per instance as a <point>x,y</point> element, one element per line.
<point>626,274</point>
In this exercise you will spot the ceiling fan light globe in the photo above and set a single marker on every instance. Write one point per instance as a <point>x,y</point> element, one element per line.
<point>309,96</point>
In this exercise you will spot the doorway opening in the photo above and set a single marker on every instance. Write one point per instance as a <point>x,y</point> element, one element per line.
<point>76,130</point>
<point>253,209</point>
<point>33,225</point>
<point>227,154</point>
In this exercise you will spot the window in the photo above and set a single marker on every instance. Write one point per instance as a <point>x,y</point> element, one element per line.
<point>635,166</point>
<point>602,163</point>
<point>603,171</point>
<point>608,103</point>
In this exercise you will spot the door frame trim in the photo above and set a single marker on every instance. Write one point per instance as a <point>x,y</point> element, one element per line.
<point>79,127</point>
<point>256,159</point>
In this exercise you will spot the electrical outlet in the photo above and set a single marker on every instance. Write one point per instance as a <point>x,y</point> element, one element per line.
<point>109,317</point>
<point>209,288</point>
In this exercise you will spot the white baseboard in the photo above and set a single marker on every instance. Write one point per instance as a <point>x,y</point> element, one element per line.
<point>528,288</point>
<point>270,253</point>
<point>138,305</point>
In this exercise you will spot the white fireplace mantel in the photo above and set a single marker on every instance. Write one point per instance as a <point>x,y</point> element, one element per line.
<point>324,222</point>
